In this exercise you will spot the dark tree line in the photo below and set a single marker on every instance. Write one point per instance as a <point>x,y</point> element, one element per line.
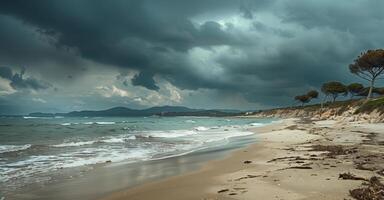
<point>368,66</point>
<point>307,97</point>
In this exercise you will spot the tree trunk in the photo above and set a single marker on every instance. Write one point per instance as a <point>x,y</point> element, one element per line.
<point>334,98</point>
<point>369,96</point>
<point>322,102</point>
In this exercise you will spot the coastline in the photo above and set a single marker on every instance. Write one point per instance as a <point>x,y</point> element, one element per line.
<point>95,181</point>
<point>282,164</point>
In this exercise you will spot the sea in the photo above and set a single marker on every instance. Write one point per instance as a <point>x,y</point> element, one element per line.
<point>37,151</point>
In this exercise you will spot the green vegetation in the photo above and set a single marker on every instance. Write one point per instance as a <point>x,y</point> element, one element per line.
<point>303,99</point>
<point>334,89</point>
<point>372,105</point>
<point>355,89</point>
<point>363,106</point>
<point>313,94</point>
<point>379,91</point>
<point>307,97</point>
<point>369,66</point>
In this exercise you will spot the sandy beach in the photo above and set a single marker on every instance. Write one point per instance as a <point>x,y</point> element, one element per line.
<point>292,159</point>
<point>192,100</point>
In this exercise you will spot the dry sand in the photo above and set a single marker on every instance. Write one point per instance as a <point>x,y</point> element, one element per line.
<point>292,159</point>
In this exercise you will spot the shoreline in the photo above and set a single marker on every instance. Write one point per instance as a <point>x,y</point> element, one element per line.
<point>105,178</point>
<point>279,165</point>
<point>190,184</point>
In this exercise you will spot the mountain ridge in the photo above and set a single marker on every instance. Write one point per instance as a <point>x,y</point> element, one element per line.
<point>129,112</point>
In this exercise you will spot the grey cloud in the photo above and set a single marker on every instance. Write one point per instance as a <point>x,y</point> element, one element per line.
<point>17,81</point>
<point>261,27</point>
<point>6,73</point>
<point>289,47</point>
<point>144,79</point>
<point>124,33</point>
<point>23,45</point>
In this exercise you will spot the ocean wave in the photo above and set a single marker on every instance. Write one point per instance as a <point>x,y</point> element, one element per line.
<point>105,123</point>
<point>116,139</point>
<point>125,145</point>
<point>201,128</point>
<point>66,124</point>
<point>100,123</point>
<point>110,155</point>
<point>12,148</point>
<point>132,137</point>
<point>167,134</point>
<point>88,123</point>
<point>29,117</point>
<point>73,144</point>
<point>257,124</point>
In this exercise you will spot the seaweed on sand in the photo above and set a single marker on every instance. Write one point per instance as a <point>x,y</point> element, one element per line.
<point>373,191</point>
<point>334,150</point>
<point>350,176</point>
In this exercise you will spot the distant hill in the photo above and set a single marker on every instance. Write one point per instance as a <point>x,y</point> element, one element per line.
<point>128,112</point>
<point>211,113</point>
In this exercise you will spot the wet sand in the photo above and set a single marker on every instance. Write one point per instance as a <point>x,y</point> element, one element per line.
<point>292,159</point>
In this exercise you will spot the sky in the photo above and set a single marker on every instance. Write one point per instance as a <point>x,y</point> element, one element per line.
<point>59,56</point>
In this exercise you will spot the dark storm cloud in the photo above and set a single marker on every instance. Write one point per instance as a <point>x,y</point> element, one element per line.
<point>146,80</point>
<point>23,44</point>
<point>6,73</point>
<point>125,33</point>
<point>17,81</point>
<point>290,46</point>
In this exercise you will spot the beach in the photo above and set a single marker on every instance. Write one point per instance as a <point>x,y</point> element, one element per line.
<point>292,159</point>
<point>191,100</point>
<point>88,158</point>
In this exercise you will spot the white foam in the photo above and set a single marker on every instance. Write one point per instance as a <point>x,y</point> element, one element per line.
<point>257,124</point>
<point>132,137</point>
<point>74,144</point>
<point>46,163</point>
<point>99,123</point>
<point>105,123</point>
<point>69,123</point>
<point>113,140</point>
<point>190,121</point>
<point>219,135</point>
<point>167,134</point>
<point>29,117</point>
<point>201,128</point>
<point>11,148</point>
